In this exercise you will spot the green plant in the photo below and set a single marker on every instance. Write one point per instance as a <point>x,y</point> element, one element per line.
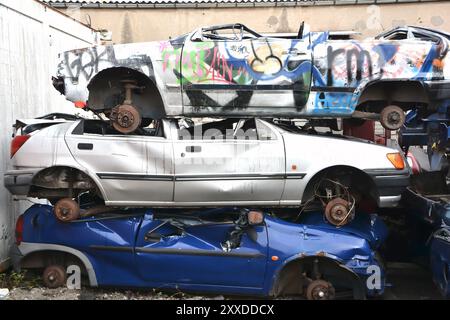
<point>16,279</point>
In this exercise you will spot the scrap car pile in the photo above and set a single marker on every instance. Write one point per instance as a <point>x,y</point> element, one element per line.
<point>249,200</point>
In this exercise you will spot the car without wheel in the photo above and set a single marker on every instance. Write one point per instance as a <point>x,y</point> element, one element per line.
<point>222,250</point>
<point>233,71</point>
<point>177,163</point>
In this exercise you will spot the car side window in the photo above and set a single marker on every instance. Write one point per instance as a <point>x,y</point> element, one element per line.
<point>226,34</point>
<point>103,128</point>
<point>229,129</point>
<point>246,130</point>
<point>264,132</point>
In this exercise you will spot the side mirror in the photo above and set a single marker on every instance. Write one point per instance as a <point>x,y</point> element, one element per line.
<point>255,218</point>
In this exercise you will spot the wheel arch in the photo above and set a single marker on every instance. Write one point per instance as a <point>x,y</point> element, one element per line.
<point>38,255</point>
<point>105,91</point>
<point>286,277</point>
<point>308,191</point>
<point>400,91</point>
<point>57,172</point>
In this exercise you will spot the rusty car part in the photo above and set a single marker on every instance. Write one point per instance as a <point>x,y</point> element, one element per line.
<point>320,290</point>
<point>94,211</point>
<point>338,211</point>
<point>255,217</point>
<point>338,203</point>
<point>126,117</point>
<point>54,276</point>
<point>392,117</point>
<point>67,209</point>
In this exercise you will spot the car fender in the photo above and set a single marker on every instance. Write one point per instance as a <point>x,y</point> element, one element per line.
<point>27,248</point>
<point>324,256</point>
<point>82,169</point>
<point>79,67</point>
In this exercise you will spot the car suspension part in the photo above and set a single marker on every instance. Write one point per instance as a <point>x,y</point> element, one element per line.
<point>66,210</point>
<point>337,211</point>
<point>126,117</point>
<point>54,276</point>
<point>320,290</point>
<point>392,117</point>
<point>338,202</point>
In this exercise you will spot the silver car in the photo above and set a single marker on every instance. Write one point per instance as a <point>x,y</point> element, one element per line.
<point>175,163</point>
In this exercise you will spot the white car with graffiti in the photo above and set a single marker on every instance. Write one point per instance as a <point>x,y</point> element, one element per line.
<point>232,71</point>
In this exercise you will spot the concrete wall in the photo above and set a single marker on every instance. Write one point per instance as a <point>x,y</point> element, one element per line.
<point>31,36</point>
<point>146,24</point>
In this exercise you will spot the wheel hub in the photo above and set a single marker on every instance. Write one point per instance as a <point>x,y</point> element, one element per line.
<point>54,276</point>
<point>337,212</point>
<point>125,118</point>
<point>320,290</point>
<point>67,210</point>
<point>392,117</point>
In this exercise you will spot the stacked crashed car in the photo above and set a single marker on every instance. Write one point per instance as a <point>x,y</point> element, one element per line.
<point>233,71</point>
<point>223,250</point>
<point>175,163</point>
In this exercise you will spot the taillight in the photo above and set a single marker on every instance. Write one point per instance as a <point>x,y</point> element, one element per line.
<point>412,161</point>
<point>19,230</point>
<point>397,160</point>
<point>17,142</point>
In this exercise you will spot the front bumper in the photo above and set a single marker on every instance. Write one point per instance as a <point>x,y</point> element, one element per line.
<point>18,182</point>
<point>390,184</point>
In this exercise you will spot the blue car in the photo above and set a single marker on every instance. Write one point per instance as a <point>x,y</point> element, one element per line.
<point>226,251</point>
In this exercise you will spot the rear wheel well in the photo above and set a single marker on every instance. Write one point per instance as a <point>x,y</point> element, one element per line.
<point>357,181</point>
<point>405,94</point>
<point>293,278</point>
<point>106,92</point>
<point>61,181</point>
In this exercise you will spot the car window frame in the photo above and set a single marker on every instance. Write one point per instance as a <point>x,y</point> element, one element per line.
<point>115,136</point>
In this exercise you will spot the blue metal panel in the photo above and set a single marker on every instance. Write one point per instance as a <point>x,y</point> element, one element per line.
<point>124,255</point>
<point>440,260</point>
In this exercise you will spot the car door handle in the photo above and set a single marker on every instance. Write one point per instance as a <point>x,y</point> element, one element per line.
<point>85,146</point>
<point>193,149</point>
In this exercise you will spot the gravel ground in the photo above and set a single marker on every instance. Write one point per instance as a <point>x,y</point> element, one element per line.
<point>42,293</point>
<point>406,282</point>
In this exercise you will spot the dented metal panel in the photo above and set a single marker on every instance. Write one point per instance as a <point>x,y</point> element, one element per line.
<point>187,252</point>
<point>242,73</point>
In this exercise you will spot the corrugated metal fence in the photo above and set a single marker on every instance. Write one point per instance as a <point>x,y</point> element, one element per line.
<point>31,36</point>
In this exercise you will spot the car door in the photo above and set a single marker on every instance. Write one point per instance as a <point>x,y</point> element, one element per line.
<point>225,73</point>
<point>170,253</point>
<point>230,161</point>
<point>132,169</point>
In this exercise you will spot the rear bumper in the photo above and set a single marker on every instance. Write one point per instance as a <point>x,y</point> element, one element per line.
<point>16,257</point>
<point>18,181</point>
<point>390,185</point>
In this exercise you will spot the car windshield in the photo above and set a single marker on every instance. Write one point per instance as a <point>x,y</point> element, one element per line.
<point>235,31</point>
